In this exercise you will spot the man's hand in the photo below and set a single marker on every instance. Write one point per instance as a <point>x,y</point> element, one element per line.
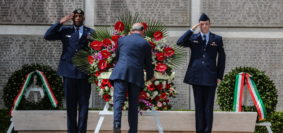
<point>218,81</point>
<point>195,26</point>
<point>152,79</point>
<point>66,18</point>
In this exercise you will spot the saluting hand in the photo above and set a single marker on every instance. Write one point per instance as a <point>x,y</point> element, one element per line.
<point>195,26</point>
<point>66,18</point>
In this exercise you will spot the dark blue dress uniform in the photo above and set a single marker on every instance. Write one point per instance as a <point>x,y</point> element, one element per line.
<point>203,72</point>
<point>133,57</point>
<point>76,86</point>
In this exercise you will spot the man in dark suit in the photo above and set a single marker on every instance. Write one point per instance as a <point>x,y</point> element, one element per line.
<point>203,73</point>
<point>76,86</point>
<point>133,56</point>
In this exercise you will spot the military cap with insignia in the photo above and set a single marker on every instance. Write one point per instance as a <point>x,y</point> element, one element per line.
<point>204,17</point>
<point>78,11</point>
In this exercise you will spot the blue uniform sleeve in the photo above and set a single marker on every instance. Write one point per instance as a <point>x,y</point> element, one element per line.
<point>221,60</point>
<point>54,32</point>
<point>184,40</point>
<point>117,51</point>
<point>148,62</point>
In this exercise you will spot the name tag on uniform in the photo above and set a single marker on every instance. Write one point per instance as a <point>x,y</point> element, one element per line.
<point>68,36</point>
<point>195,41</point>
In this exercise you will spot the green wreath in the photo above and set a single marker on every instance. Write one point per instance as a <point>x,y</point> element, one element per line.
<point>265,86</point>
<point>15,83</point>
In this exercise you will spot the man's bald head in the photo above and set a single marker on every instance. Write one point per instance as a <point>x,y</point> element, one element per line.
<point>138,28</point>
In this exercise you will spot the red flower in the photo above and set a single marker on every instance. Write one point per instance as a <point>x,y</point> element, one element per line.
<point>144,25</point>
<point>96,82</point>
<point>106,97</point>
<point>168,51</point>
<point>160,56</point>
<point>157,98</point>
<point>168,86</point>
<point>106,82</point>
<point>158,35</point>
<point>96,45</point>
<point>159,87</point>
<point>152,44</point>
<point>163,96</point>
<point>102,64</point>
<point>107,42</point>
<point>90,59</point>
<point>143,95</point>
<point>115,38</point>
<point>105,54</point>
<point>119,26</point>
<point>161,67</point>
<point>150,87</point>
<point>97,73</point>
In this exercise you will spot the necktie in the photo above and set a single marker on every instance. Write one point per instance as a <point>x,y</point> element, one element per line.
<point>204,39</point>
<point>77,33</point>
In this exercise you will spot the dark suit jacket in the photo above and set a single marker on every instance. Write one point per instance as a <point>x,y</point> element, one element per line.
<point>71,45</point>
<point>133,56</point>
<point>202,69</point>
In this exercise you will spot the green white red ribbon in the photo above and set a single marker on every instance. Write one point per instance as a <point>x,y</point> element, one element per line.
<point>46,86</point>
<point>241,79</point>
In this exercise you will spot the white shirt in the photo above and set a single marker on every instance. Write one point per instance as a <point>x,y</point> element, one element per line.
<point>81,30</point>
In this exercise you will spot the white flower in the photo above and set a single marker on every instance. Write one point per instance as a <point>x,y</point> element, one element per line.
<point>148,83</point>
<point>164,84</point>
<point>111,92</point>
<point>154,94</point>
<point>106,88</point>
<point>100,92</point>
<point>156,83</point>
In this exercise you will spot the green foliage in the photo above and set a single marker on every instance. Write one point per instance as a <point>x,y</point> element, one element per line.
<point>129,20</point>
<point>153,26</point>
<point>16,81</point>
<point>178,59</point>
<point>101,33</point>
<point>265,86</point>
<point>4,120</point>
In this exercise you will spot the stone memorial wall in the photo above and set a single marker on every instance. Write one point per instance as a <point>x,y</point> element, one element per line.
<point>169,12</point>
<point>36,12</point>
<point>244,13</point>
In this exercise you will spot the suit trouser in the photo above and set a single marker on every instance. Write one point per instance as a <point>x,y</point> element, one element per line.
<point>120,89</point>
<point>77,93</point>
<point>204,102</point>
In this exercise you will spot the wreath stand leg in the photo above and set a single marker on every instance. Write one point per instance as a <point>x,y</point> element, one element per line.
<point>10,129</point>
<point>266,124</point>
<point>105,112</point>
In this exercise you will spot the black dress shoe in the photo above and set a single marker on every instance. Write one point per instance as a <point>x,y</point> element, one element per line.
<point>117,129</point>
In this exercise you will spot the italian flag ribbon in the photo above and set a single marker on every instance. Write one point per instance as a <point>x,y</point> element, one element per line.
<point>241,79</point>
<point>46,86</point>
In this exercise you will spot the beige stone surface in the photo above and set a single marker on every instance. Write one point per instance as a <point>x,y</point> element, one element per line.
<point>172,121</point>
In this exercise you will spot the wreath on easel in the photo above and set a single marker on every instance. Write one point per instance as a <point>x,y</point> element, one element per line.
<point>35,96</point>
<point>265,87</point>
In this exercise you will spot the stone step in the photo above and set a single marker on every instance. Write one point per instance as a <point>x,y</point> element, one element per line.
<point>172,121</point>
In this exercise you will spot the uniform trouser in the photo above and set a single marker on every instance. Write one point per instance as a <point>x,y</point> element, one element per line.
<point>120,89</point>
<point>204,102</point>
<point>77,93</point>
